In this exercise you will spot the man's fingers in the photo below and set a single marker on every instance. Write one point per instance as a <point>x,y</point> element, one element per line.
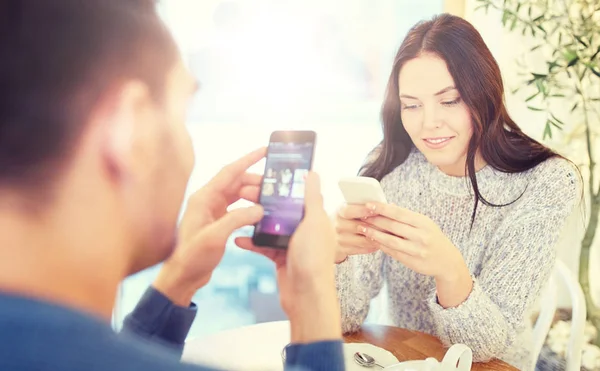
<point>234,170</point>
<point>313,200</point>
<point>250,193</point>
<point>273,254</point>
<point>242,164</point>
<point>236,219</point>
<point>251,179</point>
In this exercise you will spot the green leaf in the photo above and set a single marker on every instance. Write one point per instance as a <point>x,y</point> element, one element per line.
<point>595,54</point>
<point>505,16</point>
<point>558,96</point>
<point>575,106</point>
<point>518,7</point>
<point>581,41</point>
<point>552,65</point>
<point>556,119</point>
<point>572,62</point>
<point>547,132</point>
<point>540,86</point>
<point>539,75</point>
<point>535,109</point>
<point>529,11</point>
<point>536,47</point>
<point>569,54</point>
<point>513,24</point>
<point>481,6</point>
<point>537,18</point>
<point>532,97</point>
<point>555,125</point>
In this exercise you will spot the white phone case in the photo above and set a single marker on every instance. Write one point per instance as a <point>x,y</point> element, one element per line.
<point>360,190</point>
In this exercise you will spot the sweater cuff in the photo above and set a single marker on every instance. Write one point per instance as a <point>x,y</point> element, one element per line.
<point>463,323</point>
<point>318,356</point>
<point>155,316</point>
<point>451,322</point>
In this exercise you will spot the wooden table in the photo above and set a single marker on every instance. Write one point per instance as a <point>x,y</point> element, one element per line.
<point>409,345</point>
<point>258,347</point>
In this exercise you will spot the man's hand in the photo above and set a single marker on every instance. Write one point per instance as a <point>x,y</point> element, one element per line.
<point>206,226</point>
<point>306,273</point>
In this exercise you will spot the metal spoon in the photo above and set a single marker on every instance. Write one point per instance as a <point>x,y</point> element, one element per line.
<point>365,360</point>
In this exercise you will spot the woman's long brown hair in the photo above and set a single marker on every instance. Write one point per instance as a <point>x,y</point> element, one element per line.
<point>502,144</point>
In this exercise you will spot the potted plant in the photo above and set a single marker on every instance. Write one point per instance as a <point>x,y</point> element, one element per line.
<point>561,79</point>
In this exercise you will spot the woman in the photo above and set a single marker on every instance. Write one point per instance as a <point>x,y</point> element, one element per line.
<point>475,206</point>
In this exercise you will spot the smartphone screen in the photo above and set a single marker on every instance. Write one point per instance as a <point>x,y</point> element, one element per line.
<point>289,158</point>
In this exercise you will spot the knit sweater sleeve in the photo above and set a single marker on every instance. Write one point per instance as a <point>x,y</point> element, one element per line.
<point>358,280</point>
<point>519,260</point>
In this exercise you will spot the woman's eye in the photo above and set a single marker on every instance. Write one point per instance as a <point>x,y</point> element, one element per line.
<point>451,102</point>
<point>409,106</point>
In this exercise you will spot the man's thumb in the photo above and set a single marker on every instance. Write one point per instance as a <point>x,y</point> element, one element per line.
<point>313,200</point>
<point>238,218</point>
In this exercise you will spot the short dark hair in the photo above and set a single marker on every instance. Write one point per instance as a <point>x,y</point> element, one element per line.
<point>58,57</point>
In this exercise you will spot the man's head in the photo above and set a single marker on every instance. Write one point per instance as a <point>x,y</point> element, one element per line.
<point>93,96</point>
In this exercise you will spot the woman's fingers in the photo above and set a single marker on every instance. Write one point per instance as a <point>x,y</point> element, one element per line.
<point>405,231</point>
<point>354,212</point>
<point>352,244</point>
<point>395,243</point>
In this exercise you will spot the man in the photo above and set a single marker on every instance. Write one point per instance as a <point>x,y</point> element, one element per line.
<point>94,161</point>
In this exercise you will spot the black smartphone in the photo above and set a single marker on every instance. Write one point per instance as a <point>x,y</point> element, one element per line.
<point>289,159</point>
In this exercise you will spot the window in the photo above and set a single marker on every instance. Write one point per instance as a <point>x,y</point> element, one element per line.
<point>265,65</point>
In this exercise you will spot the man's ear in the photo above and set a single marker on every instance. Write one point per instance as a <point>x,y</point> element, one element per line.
<point>121,117</point>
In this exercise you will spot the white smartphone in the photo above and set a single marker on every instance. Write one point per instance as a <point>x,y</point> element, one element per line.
<point>361,189</point>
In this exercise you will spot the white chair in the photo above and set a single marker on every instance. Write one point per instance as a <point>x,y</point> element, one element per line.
<point>548,310</point>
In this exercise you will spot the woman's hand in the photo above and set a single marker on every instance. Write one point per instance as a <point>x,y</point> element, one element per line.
<point>349,222</point>
<point>417,242</point>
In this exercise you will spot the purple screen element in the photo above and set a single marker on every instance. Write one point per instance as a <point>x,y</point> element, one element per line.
<point>282,193</point>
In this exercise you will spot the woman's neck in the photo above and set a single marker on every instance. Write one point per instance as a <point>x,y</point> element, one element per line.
<point>459,169</point>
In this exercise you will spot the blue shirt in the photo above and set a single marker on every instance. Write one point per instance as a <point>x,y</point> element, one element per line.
<point>40,336</point>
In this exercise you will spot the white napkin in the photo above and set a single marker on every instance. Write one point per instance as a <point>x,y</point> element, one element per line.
<point>250,348</point>
<point>267,357</point>
<point>382,356</point>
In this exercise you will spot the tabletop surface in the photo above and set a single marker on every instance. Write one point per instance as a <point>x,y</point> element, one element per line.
<point>409,345</point>
<point>258,347</point>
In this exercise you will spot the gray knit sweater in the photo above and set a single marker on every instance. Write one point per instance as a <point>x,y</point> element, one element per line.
<point>510,253</point>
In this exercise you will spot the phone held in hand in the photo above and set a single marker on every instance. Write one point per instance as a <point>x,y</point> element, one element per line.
<point>289,159</point>
<point>360,190</point>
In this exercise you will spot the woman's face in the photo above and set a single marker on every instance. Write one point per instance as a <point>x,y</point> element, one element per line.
<point>433,113</point>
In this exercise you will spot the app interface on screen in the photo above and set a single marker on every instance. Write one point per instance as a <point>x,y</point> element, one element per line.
<point>282,194</point>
